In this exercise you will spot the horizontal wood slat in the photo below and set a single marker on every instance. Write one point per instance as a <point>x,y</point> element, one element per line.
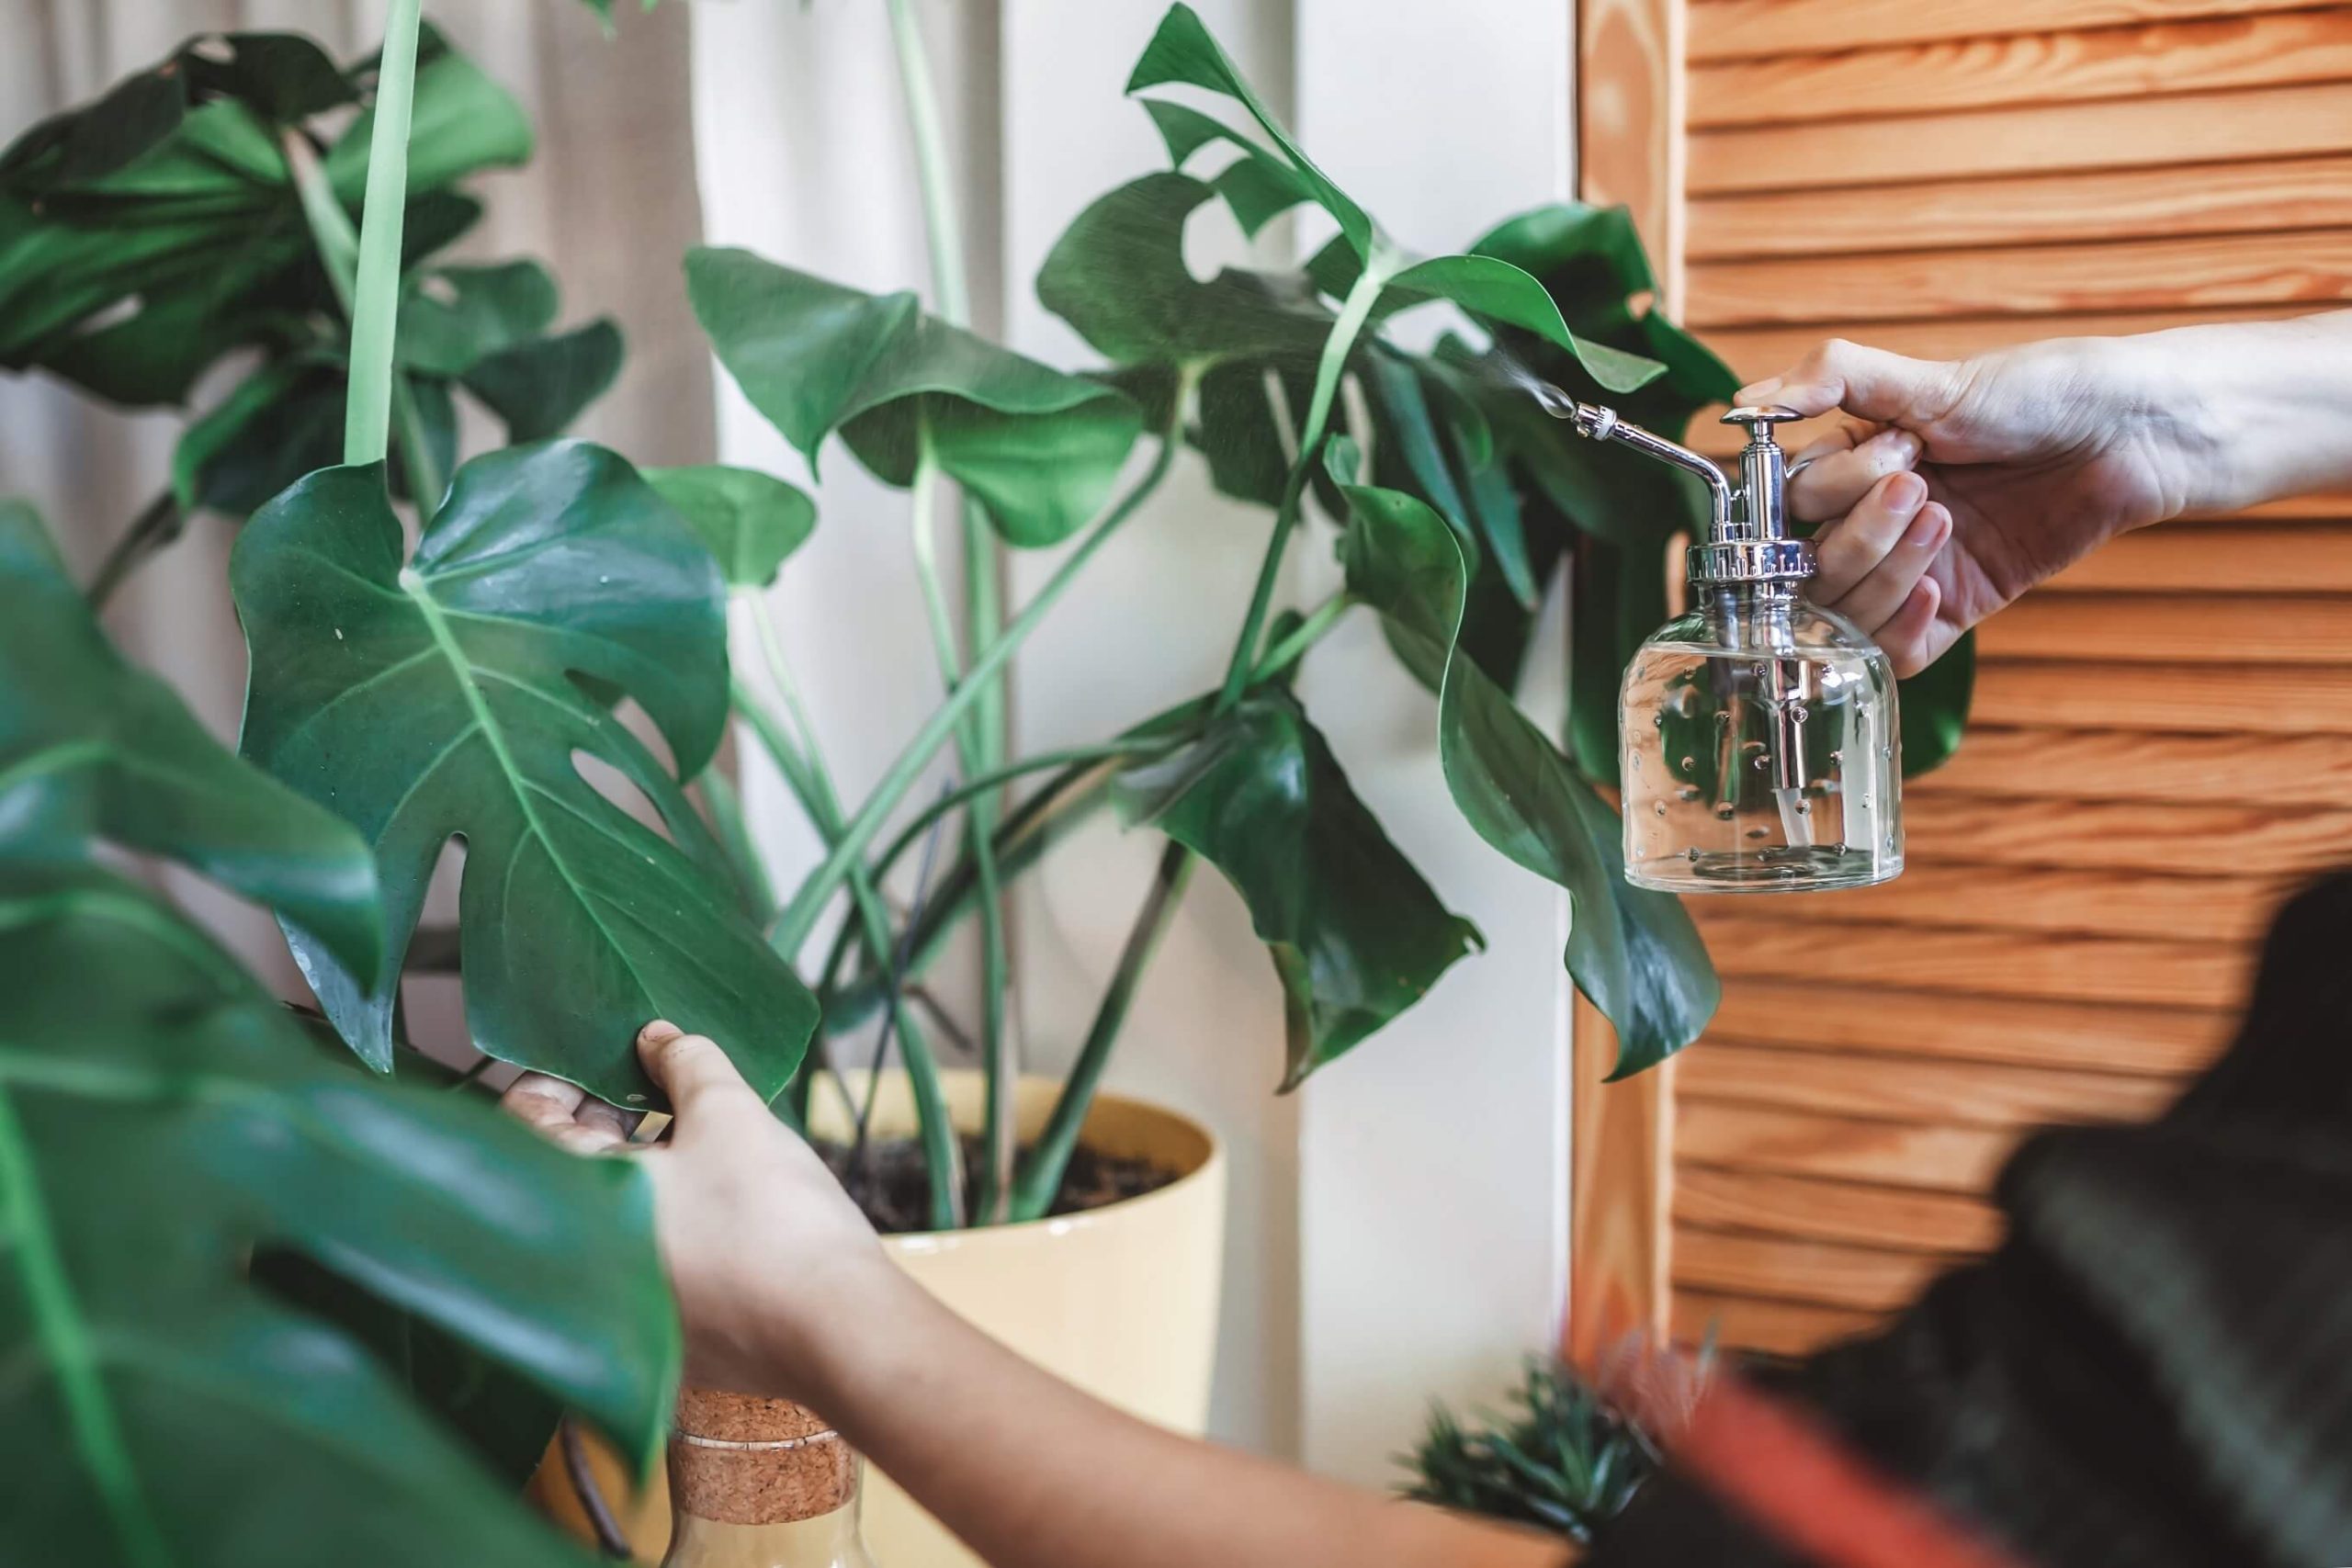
<point>2063,903</point>
<point>1730,29</point>
<point>1884,1021</point>
<point>2183,838</point>
<point>1777,1328</point>
<point>1799,1143</point>
<point>2214,558</point>
<point>2255,699</point>
<point>1833,1211</point>
<point>2248,198</point>
<point>1784,1269</point>
<point>2220,629</point>
<point>1978,72</point>
<point>2185,128</point>
<point>2195,271</point>
<point>1973,962</point>
<point>1972,1094</point>
<point>2123,764</point>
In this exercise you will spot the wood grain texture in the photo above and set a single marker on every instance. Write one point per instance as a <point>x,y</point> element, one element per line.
<point>1962,893</point>
<point>1845,1211</point>
<point>2250,699</point>
<point>2211,558</point>
<point>1969,1094</point>
<point>1882,1019</point>
<point>1979,72</point>
<point>1804,1143</point>
<point>1731,30</point>
<point>2123,764</point>
<point>2181,838</point>
<point>1621,1151</point>
<point>2276,197</point>
<point>1630,108</point>
<point>1855,292</point>
<point>1789,1270</point>
<point>1629,150</point>
<point>2122,133</point>
<point>2222,628</point>
<point>1778,1328</point>
<point>1975,962</point>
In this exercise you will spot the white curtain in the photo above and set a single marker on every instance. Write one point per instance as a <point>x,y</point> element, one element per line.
<point>608,204</point>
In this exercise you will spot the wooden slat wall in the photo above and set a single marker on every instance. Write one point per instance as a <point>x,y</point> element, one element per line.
<point>2163,737</point>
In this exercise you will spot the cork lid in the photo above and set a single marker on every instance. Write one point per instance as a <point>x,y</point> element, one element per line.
<point>741,1459</point>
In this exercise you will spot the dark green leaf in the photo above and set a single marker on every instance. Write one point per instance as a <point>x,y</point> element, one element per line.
<point>1934,706</point>
<point>161,1123</point>
<point>94,751</point>
<point>537,387</point>
<point>1117,276</point>
<point>1633,953</point>
<point>454,316</point>
<point>750,521</point>
<point>1618,599</point>
<point>1356,935</point>
<point>1590,258</point>
<point>441,696</point>
<point>1038,450</point>
<point>273,427</point>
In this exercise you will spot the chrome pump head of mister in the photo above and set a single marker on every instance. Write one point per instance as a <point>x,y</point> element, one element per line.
<point>1760,735</point>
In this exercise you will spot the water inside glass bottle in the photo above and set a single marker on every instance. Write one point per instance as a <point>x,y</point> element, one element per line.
<point>1760,751</point>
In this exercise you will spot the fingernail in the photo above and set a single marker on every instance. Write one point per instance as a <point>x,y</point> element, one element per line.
<point>661,1032</point>
<point>1905,490</point>
<point>1928,529</point>
<point>1902,443</point>
<point>1757,392</point>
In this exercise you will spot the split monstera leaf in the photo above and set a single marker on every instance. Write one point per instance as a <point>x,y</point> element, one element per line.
<point>236,1266</point>
<point>446,696</point>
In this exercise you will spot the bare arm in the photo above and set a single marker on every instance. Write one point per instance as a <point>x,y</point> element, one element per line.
<point>1966,482</point>
<point>785,1290</point>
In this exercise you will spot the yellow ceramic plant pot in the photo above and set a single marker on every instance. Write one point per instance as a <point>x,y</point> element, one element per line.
<point>1121,1301</point>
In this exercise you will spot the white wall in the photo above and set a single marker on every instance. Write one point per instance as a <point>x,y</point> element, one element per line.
<point>1399,1226</point>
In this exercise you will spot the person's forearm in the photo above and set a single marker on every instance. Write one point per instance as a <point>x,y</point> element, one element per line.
<point>2266,407</point>
<point>1033,1473</point>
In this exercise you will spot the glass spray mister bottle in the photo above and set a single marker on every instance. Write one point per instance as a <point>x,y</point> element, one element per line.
<point>1761,749</point>
<point>761,1483</point>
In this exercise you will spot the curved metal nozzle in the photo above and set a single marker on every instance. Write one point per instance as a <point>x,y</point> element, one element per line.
<point>1597,423</point>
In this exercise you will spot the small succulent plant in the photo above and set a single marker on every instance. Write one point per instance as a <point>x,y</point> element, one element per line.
<point>1565,1458</point>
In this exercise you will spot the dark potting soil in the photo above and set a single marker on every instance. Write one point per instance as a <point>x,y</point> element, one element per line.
<point>894,1188</point>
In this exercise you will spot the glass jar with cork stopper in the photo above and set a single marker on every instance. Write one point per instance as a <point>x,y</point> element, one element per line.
<point>761,1483</point>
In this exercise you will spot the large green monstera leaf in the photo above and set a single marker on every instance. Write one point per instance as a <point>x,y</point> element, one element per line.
<point>173,1151</point>
<point>1037,449</point>
<point>94,751</point>
<point>445,697</point>
<point>1356,934</point>
<point>1634,952</point>
<point>160,1123</point>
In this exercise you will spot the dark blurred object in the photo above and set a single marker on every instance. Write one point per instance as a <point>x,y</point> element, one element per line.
<point>1565,1461</point>
<point>2155,1370</point>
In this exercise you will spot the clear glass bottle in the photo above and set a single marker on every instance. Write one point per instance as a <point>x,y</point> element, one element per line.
<point>1760,751</point>
<point>761,1483</point>
<point>1762,746</point>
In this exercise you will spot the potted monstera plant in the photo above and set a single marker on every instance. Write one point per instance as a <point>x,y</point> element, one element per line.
<point>402,695</point>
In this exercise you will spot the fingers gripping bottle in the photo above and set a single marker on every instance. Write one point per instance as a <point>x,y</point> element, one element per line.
<point>1761,748</point>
